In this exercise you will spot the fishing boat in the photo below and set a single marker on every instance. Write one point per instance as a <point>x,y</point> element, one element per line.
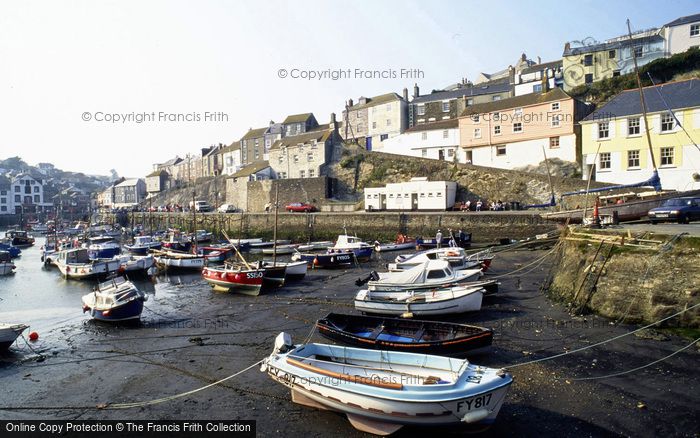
<point>315,246</point>
<point>104,230</point>
<point>170,259</point>
<point>462,240</point>
<point>234,278</point>
<point>246,242</point>
<point>202,236</point>
<point>381,391</point>
<point>456,299</point>
<point>345,242</point>
<point>103,247</point>
<point>6,265</point>
<point>9,333</point>
<point>114,300</point>
<point>143,244</point>
<point>53,245</point>
<point>280,250</point>
<point>456,257</point>
<point>76,263</point>
<point>13,250</point>
<point>333,259</point>
<point>38,227</point>
<point>135,264</point>
<point>429,275</point>
<point>401,242</point>
<point>262,245</point>
<point>411,335</point>
<point>176,241</point>
<point>19,238</point>
<point>294,270</point>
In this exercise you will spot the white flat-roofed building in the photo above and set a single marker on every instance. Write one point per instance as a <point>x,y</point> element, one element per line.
<point>416,194</point>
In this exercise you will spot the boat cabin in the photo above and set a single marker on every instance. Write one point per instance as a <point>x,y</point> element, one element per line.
<point>5,257</point>
<point>74,256</point>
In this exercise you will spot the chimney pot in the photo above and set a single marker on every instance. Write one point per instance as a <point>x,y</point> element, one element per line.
<point>416,90</point>
<point>405,94</point>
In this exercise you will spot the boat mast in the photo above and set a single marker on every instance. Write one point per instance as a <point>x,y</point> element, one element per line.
<point>641,98</point>
<point>274,232</point>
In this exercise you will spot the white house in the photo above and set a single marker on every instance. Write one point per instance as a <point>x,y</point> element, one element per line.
<point>416,194</point>
<point>530,79</point>
<point>231,156</point>
<point>682,33</point>
<point>23,194</point>
<point>437,140</point>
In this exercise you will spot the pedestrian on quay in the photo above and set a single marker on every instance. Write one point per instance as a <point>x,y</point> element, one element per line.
<point>468,205</point>
<point>478,205</point>
<point>438,239</point>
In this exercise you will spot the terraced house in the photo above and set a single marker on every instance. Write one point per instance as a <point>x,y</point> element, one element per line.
<point>516,132</point>
<point>373,120</point>
<point>615,147</point>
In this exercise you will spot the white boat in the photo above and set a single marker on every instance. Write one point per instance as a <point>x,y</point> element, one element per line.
<point>430,274</point>
<point>381,391</point>
<point>10,332</point>
<point>133,264</point>
<point>402,242</point>
<point>269,244</point>
<point>6,265</point>
<point>294,270</point>
<point>312,246</point>
<point>457,299</point>
<point>345,242</point>
<point>246,241</point>
<point>76,263</point>
<point>115,300</point>
<point>203,236</point>
<point>280,250</point>
<point>178,260</point>
<point>457,258</point>
<point>143,244</point>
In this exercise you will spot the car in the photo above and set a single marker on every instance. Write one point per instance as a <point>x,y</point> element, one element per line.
<point>681,210</point>
<point>201,206</point>
<point>227,208</point>
<point>299,207</point>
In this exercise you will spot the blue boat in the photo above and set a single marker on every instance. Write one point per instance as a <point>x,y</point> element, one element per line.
<point>115,300</point>
<point>143,244</point>
<point>327,260</point>
<point>362,250</point>
<point>13,250</point>
<point>103,247</point>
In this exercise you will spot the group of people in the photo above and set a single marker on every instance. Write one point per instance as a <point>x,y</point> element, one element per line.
<point>453,242</point>
<point>479,205</point>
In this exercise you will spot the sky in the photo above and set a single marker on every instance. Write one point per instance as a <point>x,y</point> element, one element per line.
<point>97,85</point>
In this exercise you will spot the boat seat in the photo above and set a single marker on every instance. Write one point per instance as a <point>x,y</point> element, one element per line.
<point>376,332</point>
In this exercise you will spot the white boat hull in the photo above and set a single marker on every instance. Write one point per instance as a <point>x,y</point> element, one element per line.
<point>9,333</point>
<point>376,302</point>
<point>180,263</point>
<point>384,247</point>
<point>87,270</point>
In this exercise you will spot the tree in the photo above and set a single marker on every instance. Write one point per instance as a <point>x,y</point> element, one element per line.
<point>14,163</point>
<point>114,174</point>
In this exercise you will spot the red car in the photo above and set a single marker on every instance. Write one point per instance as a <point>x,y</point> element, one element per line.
<point>299,207</point>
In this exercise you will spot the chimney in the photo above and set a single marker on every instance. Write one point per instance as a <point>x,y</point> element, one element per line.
<point>523,57</point>
<point>416,91</point>
<point>539,60</point>
<point>567,47</point>
<point>333,125</point>
<point>405,94</point>
<point>272,122</point>
<point>350,103</point>
<point>362,100</point>
<point>545,82</point>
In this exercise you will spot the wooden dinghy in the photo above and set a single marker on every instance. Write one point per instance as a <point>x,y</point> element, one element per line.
<point>415,336</point>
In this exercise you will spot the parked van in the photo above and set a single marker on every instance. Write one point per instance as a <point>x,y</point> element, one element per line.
<point>201,206</point>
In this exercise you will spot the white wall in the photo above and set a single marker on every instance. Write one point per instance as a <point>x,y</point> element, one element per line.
<point>525,153</point>
<point>526,87</point>
<point>678,38</point>
<point>232,162</point>
<point>430,195</point>
<point>395,111</point>
<point>412,144</point>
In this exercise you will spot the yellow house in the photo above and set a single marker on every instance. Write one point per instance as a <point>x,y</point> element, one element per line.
<point>614,142</point>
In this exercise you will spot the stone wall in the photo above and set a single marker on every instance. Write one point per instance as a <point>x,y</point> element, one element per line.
<point>634,286</point>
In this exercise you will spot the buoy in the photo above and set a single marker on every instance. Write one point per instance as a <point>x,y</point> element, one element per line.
<point>33,336</point>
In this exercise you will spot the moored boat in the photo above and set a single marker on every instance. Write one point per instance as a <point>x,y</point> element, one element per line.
<point>381,391</point>
<point>176,241</point>
<point>13,250</point>
<point>234,278</point>
<point>280,250</point>
<point>76,263</point>
<point>401,242</point>
<point>19,238</point>
<point>7,267</point>
<point>313,246</point>
<point>114,300</point>
<point>103,247</point>
<point>143,244</point>
<point>411,335</point>
<point>430,274</point>
<point>327,260</point>
<point>170,259</point>
<point>345,242</point>
<point>9,333</point>
<point>135,264</point>
<point>462,240</point>
<point>294,270</point>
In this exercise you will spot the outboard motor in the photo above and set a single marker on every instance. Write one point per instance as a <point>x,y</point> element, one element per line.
<point>373,276</point>
<point>283,343</point>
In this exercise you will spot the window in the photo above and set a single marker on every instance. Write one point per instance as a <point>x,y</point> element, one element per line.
<point>475,118</point>
<point>497,130</point>
<point>470,102</point>
<point>312,173</point>
<point>611,54</point>
<point>616,73</point>
<point>496,98</point>
<point>36,189</point>
<point>555,106</point>
<point>3,208</point>
<point>450,152</point>
<point>445,107</point>
<point>302,174</point>
<point>518,112</point>
<point>310,156</point>
<point>3,200</point>
<point>604,160</point>
<point>421,109</point>
<point>638,52</point>
<point>3,192</point>
<point>257,154</point>
<point>383,137</point>
<point>18,198</point>
<point>280,159</point>
<point>556,121</point>
<point>588,60</point>
<point>667,122</point>
<point>374,125</point>
<point>589,78</point>
<point>667,156</point>
<point>283,175</point>
<point>553,142</point>
<point>296,158</point>
<point>36,199</point>
<point>604,130</point>
<point>477,133</point>
<point>359,128</point>
<point>470,156</point>
<point>633,158</point>
<point>633,126</point>
<point>424,153</point>
<point>496,117</point>
<point>439,273</point>
<point>445,133</point>
<point>388,122</point>
<point>424,135</point>
<point>517,127</point>
<point>537,88</point>
<point>500,150</point>
<point>16,189</point>
<point>694,30</point>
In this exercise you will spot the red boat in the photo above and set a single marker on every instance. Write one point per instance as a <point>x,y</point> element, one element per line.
<point>227,279</point>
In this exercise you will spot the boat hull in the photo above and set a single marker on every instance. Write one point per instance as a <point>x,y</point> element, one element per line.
<point>9,333</point>
<point>386,247</point>
<point>129,311</point>
<point>7,268</point>
<point>467,302</point>
<point>328,260</point>
<point>171,263</point>
<point>143,250</point>
<point>88,270</point>
<point>244,282</point>
<point>295,270</point>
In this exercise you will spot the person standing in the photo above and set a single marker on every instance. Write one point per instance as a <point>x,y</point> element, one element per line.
<point>438,239</point>
<point>478,205</point>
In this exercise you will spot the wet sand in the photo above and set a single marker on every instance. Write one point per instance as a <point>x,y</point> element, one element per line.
<point>196,337</point>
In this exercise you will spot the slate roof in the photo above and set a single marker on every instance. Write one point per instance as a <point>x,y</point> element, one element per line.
<point>254,133</point>
<point>171,162</point>
<point>320,135</point>
<point>543,66</point>
<point>4,182</point>
<point>236,145</point>
<point>517,102</point>
<point>157,173</point>
<point>297,118</point>
<point>613,45</point>
<point>475,90</point>
<point>678,95</point>
<point>128,182</point>
<point>441,124</point>
<point>251,169</point>
<point>376,100</point>
<point>684,20</point>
